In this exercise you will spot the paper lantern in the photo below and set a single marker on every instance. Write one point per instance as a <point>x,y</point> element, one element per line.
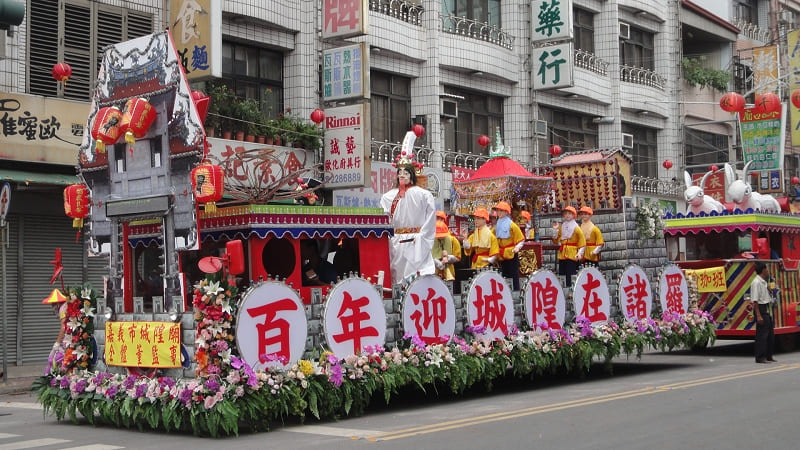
<point>796,98</point>
<point>795,180</point>
<point>136,120</point>
<point>667,164</point>
<point>106,128</point>
<point>483,140</point>
<point>555,150</point>
<point>61,72</point>
<point>713,168</point>
<point>207,184</point>
<point>418,130</point>
<point>317,116</point>
<point>768,102</point>
<point>732,102</point>
<point>76,203</point>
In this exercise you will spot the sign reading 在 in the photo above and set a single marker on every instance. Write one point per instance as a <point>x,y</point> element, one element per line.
<point>591,296</point>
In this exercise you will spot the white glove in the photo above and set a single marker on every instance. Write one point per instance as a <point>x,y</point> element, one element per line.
<point>596,251</point>
<point>438,264</point>
<point>580,252</point>
<point>452,259</point>
<point>466,244</point>
<point>518,247</point>
<point>492,259</point>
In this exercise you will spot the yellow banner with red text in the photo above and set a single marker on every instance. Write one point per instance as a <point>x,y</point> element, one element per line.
<point>711,279</point>
<point>143,344</point>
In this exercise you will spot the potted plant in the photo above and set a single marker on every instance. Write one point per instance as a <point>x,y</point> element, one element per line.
<point>251,117</point>
<point>220,109</point>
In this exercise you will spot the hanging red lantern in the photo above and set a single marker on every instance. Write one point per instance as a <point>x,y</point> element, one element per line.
<point>76,203</point>
<point>106,128</point>
<point>483,140</point>
<point>418,130</point>
<point>555,150</point>
<point>61,72</point>
<point>768,102</point>
<point>317,116</point>
<point>136,120</point>
<point>207,184</point>
<point>732,102</point>
<point>667,164</point>
<point>795,180</point>
<point>713,168</point>
<point>796,98</point>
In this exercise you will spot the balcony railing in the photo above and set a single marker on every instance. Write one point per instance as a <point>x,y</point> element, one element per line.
<point>404,10</point>
<point>476,30</point>
<point>667,188</point>
<point>642,76</point>
<point>751,30</point>
<point>388,151</point>
<point>589,61</point>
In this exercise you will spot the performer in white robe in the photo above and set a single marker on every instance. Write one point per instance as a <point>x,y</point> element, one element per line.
<point>413,216</point>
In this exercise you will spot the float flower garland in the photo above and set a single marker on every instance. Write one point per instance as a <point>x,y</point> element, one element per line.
<point>328,387</point>
<point>649,221</point>
<point>214,303</point>
<point>76,348</point>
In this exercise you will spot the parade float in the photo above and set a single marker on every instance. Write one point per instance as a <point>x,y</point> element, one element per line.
<point>211,321</point>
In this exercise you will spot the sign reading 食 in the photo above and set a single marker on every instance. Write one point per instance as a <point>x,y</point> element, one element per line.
<point>345,72</point>
<point>346,146</point>
<point>552,20</point>
<point>197,31</point>
<point>552,66</point>
<point>344,18</point>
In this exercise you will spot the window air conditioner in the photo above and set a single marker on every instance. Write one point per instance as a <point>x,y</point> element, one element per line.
<point>627,140</point>
<point>449,108</point>
<point>540,128</point>
<point>624,30</point>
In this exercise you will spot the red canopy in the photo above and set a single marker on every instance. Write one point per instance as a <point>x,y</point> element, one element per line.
<point>501,178</point>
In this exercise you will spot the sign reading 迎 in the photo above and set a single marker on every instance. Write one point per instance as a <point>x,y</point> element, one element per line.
<point>552,66</point>
<point>552,20</point>
<point>347,146</point>
<point>344,18</point>
<point>429,311</point>
<point>197,31</point>
<point>345,72</point>
<point>143,344</point>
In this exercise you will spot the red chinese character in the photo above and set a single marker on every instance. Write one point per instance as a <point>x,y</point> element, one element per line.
<point>144,332</point>
<point>233,164</point>
<point>335,147</point>
<point>674,296</point>
<point>292,164</point>
<point>491,313</point>
<point>591,301</point>
<point>387,179</point>
<point>120,333</point>
<point>270,311</point>
<point>110,335</point>
<point>132,331</point>
<point>111,353</point>
<point>635,292</point>
<point>350,145</point>
<point>543,299</point>
<point>139,353</point>
<point>154,349</point>
<point>173,354</point>
<point>351,324</point>
<point>158,334</point>
<point>175,333</point>
<point>341,13</point>
<point>433,312</point>
<point>328,165</point>
<point>123,352</point>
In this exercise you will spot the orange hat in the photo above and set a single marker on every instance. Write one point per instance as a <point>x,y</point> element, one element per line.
<point>441,215</point>
<point>525,215</point>
<point>587,210</point>
<point>503,206</point>
<point>570,209</point>
<point>441,229</point>
<point>55,297</point>
<point>482,213</point>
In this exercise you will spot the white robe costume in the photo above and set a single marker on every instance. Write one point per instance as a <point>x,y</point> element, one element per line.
<point>410,253</point>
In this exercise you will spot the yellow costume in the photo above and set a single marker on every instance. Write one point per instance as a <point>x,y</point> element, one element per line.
<point>569,247</point>
<point>594,240</point>
<point>450,245</point>
<point>482,246</point>
<point>507,245</point>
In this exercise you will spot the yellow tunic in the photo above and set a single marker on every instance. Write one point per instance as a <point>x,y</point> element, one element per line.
<point>594,239</point>
<point>453,247</point>
<point>569,247</point>
<point>507,245</point>
<point>483,245</point>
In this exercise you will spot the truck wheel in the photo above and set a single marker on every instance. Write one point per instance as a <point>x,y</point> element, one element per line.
<point>786,342</point>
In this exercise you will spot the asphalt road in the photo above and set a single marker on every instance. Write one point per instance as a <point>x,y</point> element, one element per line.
<point>715,399</point>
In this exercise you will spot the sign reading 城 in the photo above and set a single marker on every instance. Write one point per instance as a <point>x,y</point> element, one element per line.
<point>344,18</point>
<point>197,30</point>
<point>345,72</point>
<point>552,20</point>
<point>346,146</point>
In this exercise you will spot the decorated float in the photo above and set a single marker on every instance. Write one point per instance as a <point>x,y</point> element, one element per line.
<point>222,317</point>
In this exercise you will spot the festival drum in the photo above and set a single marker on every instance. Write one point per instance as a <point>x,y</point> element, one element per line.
<point>590,295</point>
<point>271,326</point>
<point>354,317</point>
<point>428,310</point>
<point>673,291</point>
<point>490,307</point>
<point>635,294</point>
<point>544,302</point>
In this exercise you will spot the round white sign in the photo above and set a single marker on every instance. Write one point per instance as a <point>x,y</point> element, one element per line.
<point>428,310</point>
<point>354,317</point>
<point>635,294</point>
<point>271,326</point>
<point>5,201</point>
<point>673,292</point>
<point>545,303</point>
<point>591,296</point>
<point>490,307</point>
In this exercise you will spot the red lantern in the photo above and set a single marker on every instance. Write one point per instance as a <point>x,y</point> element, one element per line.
<point>317,116</point>
<point>418,130</point>
<point>201,103</point>
<point>555,150</point>
<point>796,98</point>
<point>483,140</point>
<point>76,203</point>
<point>207,184</point>
<point>732,102</point>
<point>667,164</point>
<point>61,72</point>
<point>768,102</point>
<point>139,115</point>
<point>106,128</point>
<point>795,180</point>
<point>714,168</point>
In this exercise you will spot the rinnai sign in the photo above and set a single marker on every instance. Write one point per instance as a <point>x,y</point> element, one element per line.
<point>344,18</point>
<point>197,30</point>
<point>346,146</point>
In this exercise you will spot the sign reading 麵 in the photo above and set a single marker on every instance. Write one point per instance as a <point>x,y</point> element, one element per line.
<point>552,20</point>
<point>197,31</point>
<point>345,72</point>
<point>344,18</point>
<point>143,344</point>
<point>346,145</point>
<point>552,66</point>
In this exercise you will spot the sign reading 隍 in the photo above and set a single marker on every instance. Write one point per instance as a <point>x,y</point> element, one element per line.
<point>345,72</point>
<point>552,66</point>
<point>143,344</point>
<point>552,20</point>
<point>545,303</point>
<point>762,138</point>
<point>344,18</point>
<point>346,145</point>
<point>197,30</point>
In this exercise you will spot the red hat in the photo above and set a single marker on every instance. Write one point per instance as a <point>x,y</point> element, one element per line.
<point>503,206</point>
<point>587,210</point>
<point>441,229</point>
<point>482,213</point>
<point>525,215</point>
<point>55,297</point>
<point>570,209</point>
<point>441,215</point>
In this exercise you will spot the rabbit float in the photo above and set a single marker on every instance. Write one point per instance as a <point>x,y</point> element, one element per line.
<point>696,200</point>
<point>742,195</point>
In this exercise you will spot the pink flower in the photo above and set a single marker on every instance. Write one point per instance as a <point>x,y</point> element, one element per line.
<point>210,401</point>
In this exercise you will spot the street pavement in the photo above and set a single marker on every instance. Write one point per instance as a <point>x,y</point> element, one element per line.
<point>718,398</point>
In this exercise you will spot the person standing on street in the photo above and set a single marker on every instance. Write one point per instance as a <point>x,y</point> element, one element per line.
<point>762,308</point>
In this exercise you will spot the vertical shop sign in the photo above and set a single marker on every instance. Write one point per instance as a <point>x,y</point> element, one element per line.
<point>344,18</point>
<point>347,146</point>
<point>552,20</point>
<point>345,72</point>
<point>553,66</point>
<point>793,45</point>
<point>196,27</point>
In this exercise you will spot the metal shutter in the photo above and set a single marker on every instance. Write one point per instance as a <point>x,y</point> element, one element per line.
<point>42,47</point>
<point>12,280</point>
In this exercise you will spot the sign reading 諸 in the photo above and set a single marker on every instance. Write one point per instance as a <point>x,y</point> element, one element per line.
<point>346,146</point>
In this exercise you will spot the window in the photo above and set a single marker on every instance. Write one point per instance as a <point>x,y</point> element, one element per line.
<point>76,34</point>
<point>703,148</point>
<point>746,10</point>
<point>483,11</point>
<point>571,131</point>
<point>119,157</point>
<point>155,152</point>
<point>583,29</point>
<point>637,51</point>
<point>644,151</point>
<point>478,114</point>
<point>743,79</point>
<point>390,106</point>
<point>254,72</point>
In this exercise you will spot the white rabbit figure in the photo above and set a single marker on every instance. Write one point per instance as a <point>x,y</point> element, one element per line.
<point>696,200</point>
<point>742,195</point>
